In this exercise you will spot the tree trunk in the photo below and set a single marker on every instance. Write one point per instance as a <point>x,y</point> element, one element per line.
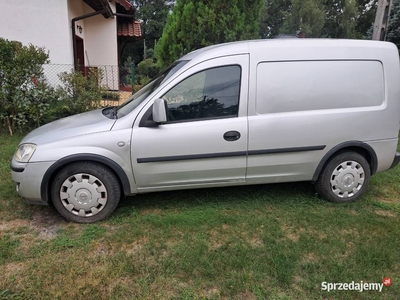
<point>9,125</point>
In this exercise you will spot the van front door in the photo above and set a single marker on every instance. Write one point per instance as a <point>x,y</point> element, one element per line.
<point>204,142</point>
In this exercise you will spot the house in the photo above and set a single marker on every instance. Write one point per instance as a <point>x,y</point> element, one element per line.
<point>82,33</point>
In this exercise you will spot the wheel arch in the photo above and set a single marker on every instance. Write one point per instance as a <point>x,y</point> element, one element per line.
<point>360,147</point>
<point>58,165</point>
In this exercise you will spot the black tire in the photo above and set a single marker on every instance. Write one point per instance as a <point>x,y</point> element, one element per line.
<point>345,172</point>
<point>85,192</point>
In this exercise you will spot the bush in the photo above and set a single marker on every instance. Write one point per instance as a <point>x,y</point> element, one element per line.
<point>27,100</point>
<point>39,104</point>
<point>80,93</point>
<point>145,71</point>
<point>147,68</point>
<point>110,96</point>
<point>25,97</point>
<point>142,80</point>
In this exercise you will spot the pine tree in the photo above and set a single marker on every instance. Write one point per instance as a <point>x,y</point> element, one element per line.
<point>195,24</point>
<point>341,19</point>
<point>305,15</point>
<point>272,16</point>
<point>153,15</point>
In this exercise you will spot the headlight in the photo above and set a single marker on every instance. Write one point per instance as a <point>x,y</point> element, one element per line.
<point>24,152</point>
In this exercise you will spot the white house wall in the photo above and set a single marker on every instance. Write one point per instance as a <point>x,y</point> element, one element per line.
<point>47,23</point>
<point>75,9</point>
<point>42,23</point>
<point>100,41</point>
<point>101,46</point>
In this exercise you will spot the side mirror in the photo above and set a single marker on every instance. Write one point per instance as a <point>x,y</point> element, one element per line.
<point>160,111</point>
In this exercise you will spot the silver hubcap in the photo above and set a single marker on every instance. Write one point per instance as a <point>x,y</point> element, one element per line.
<point>83,195</point>
<point>347,179</point>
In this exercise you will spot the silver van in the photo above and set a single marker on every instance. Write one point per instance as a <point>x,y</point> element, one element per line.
<point>252,112</point>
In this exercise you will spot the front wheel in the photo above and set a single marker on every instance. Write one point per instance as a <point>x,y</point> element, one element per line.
<point>85,192</point>
<point>344,178</point>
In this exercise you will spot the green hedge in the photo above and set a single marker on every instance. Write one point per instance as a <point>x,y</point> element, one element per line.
<point>27,100</point>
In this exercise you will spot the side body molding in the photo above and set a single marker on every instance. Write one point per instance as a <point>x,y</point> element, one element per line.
<point>348,145</point>
<point>44,188</point>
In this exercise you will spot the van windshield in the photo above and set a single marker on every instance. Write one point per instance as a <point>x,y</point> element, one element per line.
<point>137,98</point>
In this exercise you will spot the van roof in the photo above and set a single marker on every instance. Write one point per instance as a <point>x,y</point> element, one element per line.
<point>242,47</point>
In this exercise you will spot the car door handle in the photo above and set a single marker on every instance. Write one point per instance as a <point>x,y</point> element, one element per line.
<point>232,136</point>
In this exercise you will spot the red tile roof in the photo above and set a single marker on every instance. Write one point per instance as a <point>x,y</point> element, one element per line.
<point>125,4</point>
<point>129,29</point>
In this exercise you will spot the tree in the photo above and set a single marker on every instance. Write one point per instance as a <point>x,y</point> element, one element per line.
<point>366,16</point>
<point>272,16</point>
<point>341,19</point>
<point>153,15</point>
<point>195,24</point>
<point>307,15</point>
<point>393,33</point>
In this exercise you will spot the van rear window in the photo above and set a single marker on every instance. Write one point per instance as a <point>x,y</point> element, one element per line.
<point>313,85</point>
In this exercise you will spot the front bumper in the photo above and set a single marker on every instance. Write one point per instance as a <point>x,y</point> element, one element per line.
<point>396,160</point>
<point>28,179</point>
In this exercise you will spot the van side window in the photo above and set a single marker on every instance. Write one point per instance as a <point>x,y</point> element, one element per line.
<point>212,93</point>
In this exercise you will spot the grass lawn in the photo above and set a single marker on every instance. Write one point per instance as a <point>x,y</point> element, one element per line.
<point>275,241</point>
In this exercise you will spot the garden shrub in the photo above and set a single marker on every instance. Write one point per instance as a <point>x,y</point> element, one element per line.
<point>81,93</point>
<point>114,96</point>
<point>25,97</point>
<point>147,68</point>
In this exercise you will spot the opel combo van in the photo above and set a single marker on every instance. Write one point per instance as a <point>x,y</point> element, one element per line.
<point>251,112</point>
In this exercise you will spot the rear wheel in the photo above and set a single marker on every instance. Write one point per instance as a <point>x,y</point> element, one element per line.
<point>85,192</point>
<point>344,178</point>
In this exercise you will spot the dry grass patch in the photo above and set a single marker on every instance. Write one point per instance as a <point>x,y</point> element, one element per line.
<point>13,270</point>
<point>256,242</point>
<point>13,225</point>
<point>245,296</point>
<point>151,211</point>
<point>309,258</point>
<point>11,277</point>
<point>137,246</point>
<point>349,232</point>
<point>386,213</point>
<point>216,240</point>
<point>293,233</point>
